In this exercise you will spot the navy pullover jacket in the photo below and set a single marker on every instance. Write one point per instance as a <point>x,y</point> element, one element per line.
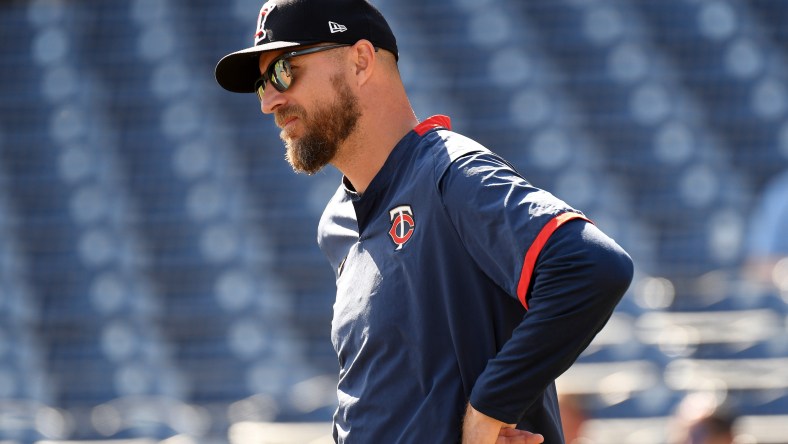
<point>459,281</point>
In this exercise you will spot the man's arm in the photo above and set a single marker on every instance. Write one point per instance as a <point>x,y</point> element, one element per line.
<point>570,287</point>
<point>579,277</point>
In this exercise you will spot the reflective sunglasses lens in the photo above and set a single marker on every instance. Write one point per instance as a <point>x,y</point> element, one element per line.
<point>259,88</point>
<point>281,76</point>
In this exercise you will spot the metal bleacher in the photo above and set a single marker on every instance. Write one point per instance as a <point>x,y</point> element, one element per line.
<point>159,277</point>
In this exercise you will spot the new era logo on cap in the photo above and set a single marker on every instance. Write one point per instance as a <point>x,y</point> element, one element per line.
<point>336,27</point>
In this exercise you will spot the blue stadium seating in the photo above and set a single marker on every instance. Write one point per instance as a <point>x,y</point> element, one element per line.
<point>157,253</point>
<point>739,73</point>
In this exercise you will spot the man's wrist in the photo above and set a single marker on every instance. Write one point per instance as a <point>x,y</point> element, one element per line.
<point>479,428</point>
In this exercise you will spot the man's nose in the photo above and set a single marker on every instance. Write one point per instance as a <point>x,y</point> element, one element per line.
<point>272,99</point>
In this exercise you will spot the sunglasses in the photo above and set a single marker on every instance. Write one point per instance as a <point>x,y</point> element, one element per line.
<point>278,71</point>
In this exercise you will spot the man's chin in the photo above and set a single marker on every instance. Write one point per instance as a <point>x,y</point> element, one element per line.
<point>301,169</point>
<point>287,136</point>
<point>298,163</point>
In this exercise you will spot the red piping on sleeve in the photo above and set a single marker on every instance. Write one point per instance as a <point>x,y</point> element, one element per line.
<point>436,121</point>
<point>536,248</point>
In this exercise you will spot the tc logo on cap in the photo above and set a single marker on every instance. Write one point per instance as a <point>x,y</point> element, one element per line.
<point>265,11</point>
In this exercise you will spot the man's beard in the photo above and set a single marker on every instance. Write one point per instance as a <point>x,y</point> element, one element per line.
<point>327,127</point>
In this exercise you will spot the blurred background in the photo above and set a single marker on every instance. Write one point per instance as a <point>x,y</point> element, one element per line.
<point>159,276</point>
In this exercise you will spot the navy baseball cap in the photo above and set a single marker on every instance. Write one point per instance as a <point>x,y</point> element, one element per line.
<point>292,23</point>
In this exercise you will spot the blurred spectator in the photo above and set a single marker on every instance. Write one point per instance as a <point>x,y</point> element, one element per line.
<point>715,428</point>
<point>573,417</point>
<point>767,240</point>
<point>701,419</point>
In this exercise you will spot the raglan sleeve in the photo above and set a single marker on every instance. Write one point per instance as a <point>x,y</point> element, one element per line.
<point>566,273</point>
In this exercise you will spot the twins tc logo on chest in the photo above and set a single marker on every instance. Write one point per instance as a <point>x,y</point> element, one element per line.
<point>402,225</point>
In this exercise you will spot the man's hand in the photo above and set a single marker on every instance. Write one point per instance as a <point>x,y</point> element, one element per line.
<point>478,428</point>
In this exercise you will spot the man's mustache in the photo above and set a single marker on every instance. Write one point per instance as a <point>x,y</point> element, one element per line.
<point>284,114</point>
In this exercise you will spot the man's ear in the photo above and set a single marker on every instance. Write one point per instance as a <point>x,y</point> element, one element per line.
<point>365,59</point>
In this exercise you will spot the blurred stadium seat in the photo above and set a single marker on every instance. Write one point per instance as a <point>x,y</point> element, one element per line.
<point>159,278</point>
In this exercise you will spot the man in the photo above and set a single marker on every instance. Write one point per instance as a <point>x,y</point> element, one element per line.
<point>716,428</point>
<point>700,419</point>
<point>573,417</point>
<point>767,244</point>
<point>462,290</point>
